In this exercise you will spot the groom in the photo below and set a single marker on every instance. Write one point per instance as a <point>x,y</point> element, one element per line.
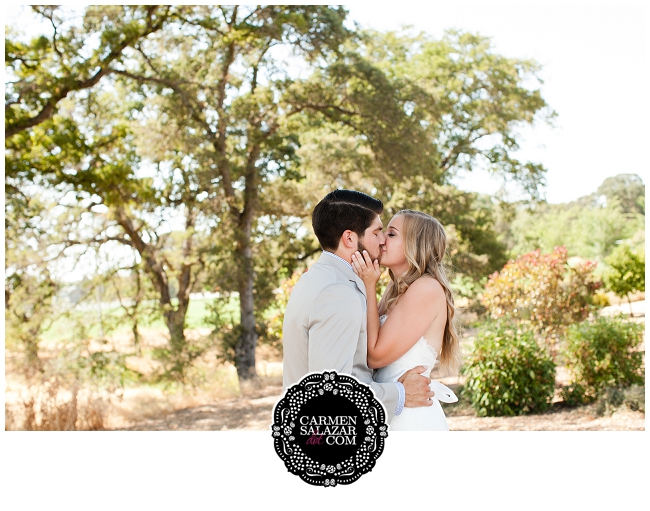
<point>325,320</point>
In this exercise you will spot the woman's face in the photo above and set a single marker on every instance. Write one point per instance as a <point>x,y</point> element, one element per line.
<point>393,250</point>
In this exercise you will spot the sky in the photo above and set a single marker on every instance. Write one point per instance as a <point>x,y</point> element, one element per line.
<point>593,59</point>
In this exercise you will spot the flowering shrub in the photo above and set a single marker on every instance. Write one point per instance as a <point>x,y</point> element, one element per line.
<point>543,290</point>
<point>508,372</point>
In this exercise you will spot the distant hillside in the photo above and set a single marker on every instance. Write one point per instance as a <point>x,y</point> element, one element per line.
<point>589,227</point>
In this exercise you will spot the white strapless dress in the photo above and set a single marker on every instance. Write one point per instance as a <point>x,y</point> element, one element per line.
<point>425,418</point>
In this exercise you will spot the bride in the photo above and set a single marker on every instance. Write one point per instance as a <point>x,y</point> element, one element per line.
<point>413,324</point>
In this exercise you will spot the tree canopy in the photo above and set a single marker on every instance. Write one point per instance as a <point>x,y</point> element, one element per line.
<point>628,190</point>
<point>189,144</point>
<point>589,227</point>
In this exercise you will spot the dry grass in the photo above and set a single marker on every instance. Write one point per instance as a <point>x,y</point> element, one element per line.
<point>34,403</point>
<point>53,406</point>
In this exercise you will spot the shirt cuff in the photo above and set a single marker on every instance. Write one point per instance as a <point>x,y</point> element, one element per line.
<point>401,397</point>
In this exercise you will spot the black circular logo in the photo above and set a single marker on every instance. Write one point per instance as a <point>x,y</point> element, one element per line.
<point>329,429</point>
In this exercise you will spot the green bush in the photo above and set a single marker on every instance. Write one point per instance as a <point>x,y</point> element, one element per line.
<point>613,398</point>
<point>574,395</point>
<point>508,372</point>
<point>600,352</point>
<point>626,272</point>
<point>601,300</point>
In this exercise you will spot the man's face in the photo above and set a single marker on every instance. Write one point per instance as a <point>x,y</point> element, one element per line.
<point>373,239</point>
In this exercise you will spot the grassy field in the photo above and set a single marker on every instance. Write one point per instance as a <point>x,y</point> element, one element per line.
<point>86,322</point>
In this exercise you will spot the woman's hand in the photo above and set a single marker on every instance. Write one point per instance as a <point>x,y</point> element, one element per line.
<point>367,269</point>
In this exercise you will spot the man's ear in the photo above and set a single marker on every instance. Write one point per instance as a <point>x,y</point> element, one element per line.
<point>348,239</point>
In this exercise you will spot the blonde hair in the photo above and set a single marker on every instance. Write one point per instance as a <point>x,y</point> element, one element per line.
<point>425,245</point>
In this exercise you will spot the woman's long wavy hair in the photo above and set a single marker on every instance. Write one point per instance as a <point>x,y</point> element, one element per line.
<point>425,245</point>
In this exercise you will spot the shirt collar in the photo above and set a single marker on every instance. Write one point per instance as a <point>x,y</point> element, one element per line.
<point>338,257</point>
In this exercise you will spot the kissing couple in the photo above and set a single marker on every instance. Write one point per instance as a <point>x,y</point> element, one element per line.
<point>333,320</point>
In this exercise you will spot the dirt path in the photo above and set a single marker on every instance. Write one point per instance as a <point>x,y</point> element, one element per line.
<point>253,413</point>
<point>557,419</point>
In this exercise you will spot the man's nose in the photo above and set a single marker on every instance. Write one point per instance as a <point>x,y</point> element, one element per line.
<point>382,238</point>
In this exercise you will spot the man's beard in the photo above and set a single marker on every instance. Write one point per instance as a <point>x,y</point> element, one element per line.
<point>361,248</point>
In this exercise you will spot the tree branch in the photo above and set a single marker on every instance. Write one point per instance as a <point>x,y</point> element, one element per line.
<point>62,91</point>
<point>154,267</point>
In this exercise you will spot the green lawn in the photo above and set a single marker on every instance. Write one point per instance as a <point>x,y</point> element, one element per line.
<point>115,320</point>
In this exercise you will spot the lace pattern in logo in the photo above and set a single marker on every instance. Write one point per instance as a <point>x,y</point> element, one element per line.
<point>329,429</point>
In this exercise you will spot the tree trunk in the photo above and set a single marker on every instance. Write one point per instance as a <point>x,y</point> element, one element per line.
<point>34,363</point>
<point>174,317</point>
<point>245,348</point>
<point>136,339</point>
<point>630,302</point>
<point>175,321</point>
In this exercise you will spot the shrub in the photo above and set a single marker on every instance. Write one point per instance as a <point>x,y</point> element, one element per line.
<point>626,273</point>
<point>508,372</point>
<point>574,395</point>
<point>613,398</point>
<point>542,290</point>
<point>600,352</point>
<point>271,328</point>
<point>601,300</point>
<point>634,398</point>
<point>28,311</point>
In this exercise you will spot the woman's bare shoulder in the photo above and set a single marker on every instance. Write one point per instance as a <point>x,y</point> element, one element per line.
<point>426,285</point>
<point>422,292</point>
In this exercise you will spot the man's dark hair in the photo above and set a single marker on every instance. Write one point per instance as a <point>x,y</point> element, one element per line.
<point>341,210</point>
